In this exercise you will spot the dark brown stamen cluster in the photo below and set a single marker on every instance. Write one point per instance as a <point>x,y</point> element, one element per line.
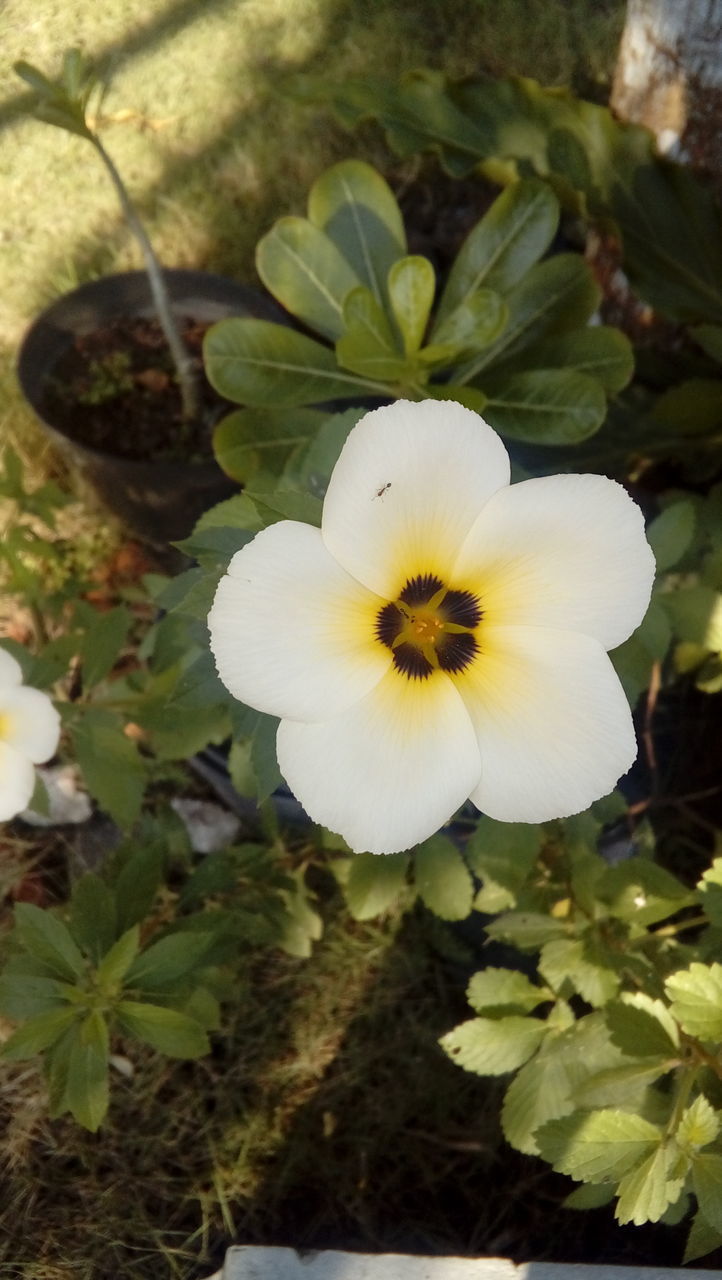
<point>429,627</point>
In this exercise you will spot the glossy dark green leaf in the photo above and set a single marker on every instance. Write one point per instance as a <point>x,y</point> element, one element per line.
<point>545,406</point>
<point>358,212</point>
<point>251,440</point>
<point>367,345</point>
<point>302,267</point>
<point>411,287</point>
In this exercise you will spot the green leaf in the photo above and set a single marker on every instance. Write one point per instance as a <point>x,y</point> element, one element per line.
<point>137,884</point>
<point>25,995</point>
<point>646,1193</point>
<point>172,1033</point>
<point>709,337</point>
<point>411,285</point>
<point>474,324</point>
<point>257,362</point>
<point>491,1047</point>
<point>700,1125</point>
<point>671,533</point>
<point>511,237</point>
<point>641,892</point>
<point>86,1091</point>
<point>357,210</point>
<point>556,296</point>
<point>285,504</point>
<point>264,759</point>
<point>302,267</point>
<point>303,925</point>
<point>443,879</point>
<point>38,1034</point>
<point>112,769</point>
<point>116,963</point>
<point>597,1146</point>
<point>167,962</point>
<point>502,991</point>
<point>691,408</point>
<point>599,351</point>
<point>702,1239</point>
<point>249,440</point>
<point>367,345</point>
<point>47,938</point>
<point>711,889</point>
<point>707,1183</point>
<point>569,960</point>
<point>527,930</point>
<point>103,642</point>
<point>311,467</point>
<point>503,855</point>
<point>545,406</point>
<point>93,915</point>
<point>374,883</point>
<point>696,999</point>
<point>589,1196</point>
<point>641,1026</point>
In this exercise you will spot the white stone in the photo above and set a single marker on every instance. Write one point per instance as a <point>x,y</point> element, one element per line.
<point>209,827</point>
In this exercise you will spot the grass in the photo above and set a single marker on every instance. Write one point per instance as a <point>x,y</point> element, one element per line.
<point>337,1055</point>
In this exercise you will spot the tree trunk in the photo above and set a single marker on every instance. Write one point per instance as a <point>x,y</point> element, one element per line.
<point>669,77</point>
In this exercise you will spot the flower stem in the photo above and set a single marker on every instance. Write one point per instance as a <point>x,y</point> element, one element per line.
<point>187,380</point>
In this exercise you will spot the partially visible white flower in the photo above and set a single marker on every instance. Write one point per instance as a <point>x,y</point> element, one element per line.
<point>442,636</point>
<point>29,735</point>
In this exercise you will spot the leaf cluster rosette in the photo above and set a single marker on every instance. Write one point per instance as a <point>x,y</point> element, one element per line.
<point>442,635</point>
<point>507,334</point>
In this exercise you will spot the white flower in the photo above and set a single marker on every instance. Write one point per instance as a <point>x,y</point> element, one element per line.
<point>29,734</point>
<point>442,636</point>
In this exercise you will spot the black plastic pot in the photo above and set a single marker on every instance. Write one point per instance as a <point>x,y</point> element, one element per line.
<point>159,501</point>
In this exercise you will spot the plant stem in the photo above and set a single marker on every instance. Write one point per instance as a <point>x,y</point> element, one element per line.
<point>187,380</point>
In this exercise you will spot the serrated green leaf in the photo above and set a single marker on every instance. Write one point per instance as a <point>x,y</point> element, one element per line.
<point>696,999</point>
<point>503,855</point>
<point>302,267</point>
<point>491,1047</point>
<point>505,244</point>
<point>545,406</point>
<point>367,345</point>
<point>702,1239</point>
<point>117,961</point>
<point>640,1026</point>
<point>93,915</point>
<point>166,962</point>
<point>38,1034</point>
<point>527,930</point>
<point>374,883</point>
<point>710,886</point>
<point>620,1086</point>
<point>256,362</point>
<point>646,1193</point>
<point>597,1146</point>
<point>700,1125</point>
<point>443,879</point>
<point>411,288</point>
<point>568,960</point>
<point>357,210</point>
<point>112,769</point>
<point>167,1030</point>
<point>48,939</point>
<point>103,642</point>
<point>642,892</point>
<point>671,533</point>
<point>707,1184</point>
<point>302,925</point>
<point>500,991</point>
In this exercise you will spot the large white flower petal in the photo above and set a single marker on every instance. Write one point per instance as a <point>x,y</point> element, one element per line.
<point>292,633</point>
<point>29,723</point>
<point>563,551</point>
<point>391,770</point>
<point>410,481</point>
<point>17,782</point>
<point>10,670</point>
<point>554,727</point>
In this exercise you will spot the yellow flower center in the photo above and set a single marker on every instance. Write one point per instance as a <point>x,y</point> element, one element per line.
<point>430,627</point>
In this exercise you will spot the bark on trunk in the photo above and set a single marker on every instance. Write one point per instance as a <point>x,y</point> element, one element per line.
<point>669,77</point>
